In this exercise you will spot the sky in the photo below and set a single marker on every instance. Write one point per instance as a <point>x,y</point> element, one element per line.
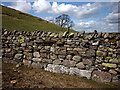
<point>88,16</point>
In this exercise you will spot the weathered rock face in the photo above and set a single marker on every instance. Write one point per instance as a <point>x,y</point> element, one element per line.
<point>82,73</point>
<point>18,56</point>
<point>57,62</point>
<point>101,76</point>
<point>36,54</point>
<point>77,58</point>
<point>57,68</point>
<point>37,59</point>
<point>80,65</point>
<point>75,53</point>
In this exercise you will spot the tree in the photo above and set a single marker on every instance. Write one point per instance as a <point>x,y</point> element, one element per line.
<point>64,21</point>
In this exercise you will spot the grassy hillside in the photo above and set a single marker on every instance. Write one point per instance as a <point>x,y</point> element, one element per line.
<point>16,20</point>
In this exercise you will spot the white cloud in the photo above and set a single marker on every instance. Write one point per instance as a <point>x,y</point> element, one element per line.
<point>62,8</point>
<point>100,26</point>
<point>2,4</point>
<point>41,6</point>
<point>49,18</point>
<point>84,11</point>
<point>114,0</point>
<point>112,17</point>
<point>21,5</point>
<point>87,10</point>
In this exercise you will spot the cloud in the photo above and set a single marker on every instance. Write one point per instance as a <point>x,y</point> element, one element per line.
<point>2,4</point>
<point>41,6</point>
<point>49,18</point>
<point>85,25</point>
<point>84,11</point>
<point>62,8</point>
<point>114,16</point>
<point>114,0</point>
<point>21,5</point>
<point>100,26</point>
<point>87,10</point>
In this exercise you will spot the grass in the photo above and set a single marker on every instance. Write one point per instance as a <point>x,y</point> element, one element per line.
<point>16,20</point>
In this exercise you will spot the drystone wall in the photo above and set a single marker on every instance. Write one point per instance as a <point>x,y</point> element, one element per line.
<point>92,55</point>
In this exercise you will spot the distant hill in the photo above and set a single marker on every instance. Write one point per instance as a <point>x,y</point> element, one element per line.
<point>16,20</point>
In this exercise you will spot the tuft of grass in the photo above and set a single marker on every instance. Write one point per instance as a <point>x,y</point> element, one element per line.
<point>16,20</point>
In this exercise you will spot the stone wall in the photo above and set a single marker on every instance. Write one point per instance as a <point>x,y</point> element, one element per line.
<point>92,55</point>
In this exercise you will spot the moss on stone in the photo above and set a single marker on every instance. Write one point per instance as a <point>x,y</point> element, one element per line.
<point>109,65</point>
<point>110,49</point>
<point>114,60</point>
<point>109,57</point>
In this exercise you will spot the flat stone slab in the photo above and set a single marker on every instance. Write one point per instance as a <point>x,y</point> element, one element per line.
<point>66,70</point>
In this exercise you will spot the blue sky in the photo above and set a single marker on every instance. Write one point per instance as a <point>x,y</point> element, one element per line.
<point>88,16</point>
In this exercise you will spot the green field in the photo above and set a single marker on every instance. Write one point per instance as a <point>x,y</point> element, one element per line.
<point>16,20</point>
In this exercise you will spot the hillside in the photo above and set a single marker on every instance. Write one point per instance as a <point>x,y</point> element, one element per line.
<point>16,20</point>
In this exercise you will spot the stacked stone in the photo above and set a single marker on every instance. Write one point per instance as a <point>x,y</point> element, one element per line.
<point>92,55</point>
<point>107,59</point>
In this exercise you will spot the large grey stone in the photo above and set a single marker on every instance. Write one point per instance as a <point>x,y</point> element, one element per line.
<point>69,49</point>
<point>38,65</point>
<point>112,71</point>
<point>18,56</point>
<point>23,44</point>
<point>81,73</point>
<point>36,54</point>
<point>116,79</point>
<point>49,61</point>
<point>80,65</point>
<point>86,73</point>
<point>118,43</point>
<point>56,62</point>
<point>53,56</point>
<point>46,60</point>
<point>74,71</point>
<point>8,50</point>
<point>69,57</point>
<point>57,68</point>
<point>90,53</point>
<point>52,49</point>
<point>66,63</point>
<point>47,47</point>
<point>37,59</point>
<point>101,76</point>
<point>61,56</point>
<point>49,67</point>
<point>87,61</point>
<point>106,35</point>
<point>99,34</point>
<point>77,58</point>
<point>72,63</point>
<point>95,43</point>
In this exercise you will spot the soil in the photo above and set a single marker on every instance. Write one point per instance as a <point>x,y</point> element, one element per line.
<point>27,77</point>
